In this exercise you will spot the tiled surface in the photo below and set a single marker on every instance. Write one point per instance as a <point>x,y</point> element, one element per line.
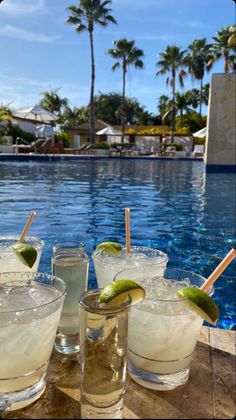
<point>208,394</point>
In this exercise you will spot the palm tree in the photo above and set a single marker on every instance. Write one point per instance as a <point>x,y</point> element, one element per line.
<point>53,102</point>
<point>84,17</point>
<point>172,61</point>
<point>182,102</point>
<point>232,37</point>
<point>197,60</point>
<point>222,48</point>
<point>163,106</point>
<point>193,97</point>
<point>75,115</point>
<point>205,93</point>
<point>126,54</point>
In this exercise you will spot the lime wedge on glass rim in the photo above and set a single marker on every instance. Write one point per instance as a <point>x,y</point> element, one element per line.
<point>26,253</point>
<point>200,302</point>
<point>121,291</point>
<point>113,248</point>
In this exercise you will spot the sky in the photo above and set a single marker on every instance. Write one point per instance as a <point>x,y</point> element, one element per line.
<point>40,52</point>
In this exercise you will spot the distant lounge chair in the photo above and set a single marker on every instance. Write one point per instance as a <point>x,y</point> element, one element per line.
<point>24,147</point>
<point>47,146</point>
<point>38,146</point>
<point>170,151</point>
<point>75,150</point>
<point>198,150</point>
<point>87,150</point>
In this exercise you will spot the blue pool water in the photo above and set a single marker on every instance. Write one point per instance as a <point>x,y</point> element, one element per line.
<point>175,206</point>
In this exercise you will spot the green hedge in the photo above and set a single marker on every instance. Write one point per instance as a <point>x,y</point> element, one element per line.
<point>197,140</point>
<point>101,145</point>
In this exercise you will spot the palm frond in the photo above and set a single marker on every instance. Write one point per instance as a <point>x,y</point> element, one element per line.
<point>115,66</point>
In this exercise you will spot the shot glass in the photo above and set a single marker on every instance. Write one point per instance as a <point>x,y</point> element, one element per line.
<point>9,261</point>
<point>103,357</point>
<point>163,331</point>
<point>107,266</point>
<point>70,263</point>
<point>30,309</point>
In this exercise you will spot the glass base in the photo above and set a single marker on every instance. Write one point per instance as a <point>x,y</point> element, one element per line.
<point>89,411</point>
<point>67,344</point>
<point>159,382</point>
<point>19,399</point>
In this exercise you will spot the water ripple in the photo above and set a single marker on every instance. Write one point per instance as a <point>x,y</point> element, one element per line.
<point>175,206</point>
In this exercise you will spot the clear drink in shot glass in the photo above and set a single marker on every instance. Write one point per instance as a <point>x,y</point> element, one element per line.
<point>9,261</point>
<point>30,309</point>
<point>163,331</point>
<point>70,263</point>
<point>103,357</point>
<point>107,266</point>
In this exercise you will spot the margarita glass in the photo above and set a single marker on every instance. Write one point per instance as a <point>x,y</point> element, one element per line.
<point>107,266</point>
<point>10,261</point>
<point>163,331</point>
<point>30,309</point>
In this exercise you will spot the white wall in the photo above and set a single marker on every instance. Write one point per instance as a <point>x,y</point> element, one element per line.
<point>25,125</point>
<point>221,123</point>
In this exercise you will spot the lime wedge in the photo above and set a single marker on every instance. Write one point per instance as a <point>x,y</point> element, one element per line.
<point>200,302</point>
<point>26,253</point>
<point>113,248</point>
<point>121,291</point>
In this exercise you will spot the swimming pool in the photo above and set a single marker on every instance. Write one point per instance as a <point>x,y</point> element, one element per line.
<point>175,206</point>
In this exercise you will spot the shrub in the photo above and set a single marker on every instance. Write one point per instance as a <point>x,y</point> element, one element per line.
<point>198,140</point>
<point>101,145</point>
<point>64,137</point>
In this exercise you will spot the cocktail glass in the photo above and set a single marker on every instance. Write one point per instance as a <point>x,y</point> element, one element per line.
<point>71,264</point>
<point>30,308</point>
<point>107,266</point>
<point>9,261</point>
<point>103,357</point>
<point>163,331</point>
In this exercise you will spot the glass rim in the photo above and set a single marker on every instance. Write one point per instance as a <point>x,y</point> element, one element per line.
<point>101,310</point>
<point>69,253</point>
<point>31,278</point>
<point>100,253</point>
<point>68,244</point>
<point>157,299</point>
<point>40,242</point>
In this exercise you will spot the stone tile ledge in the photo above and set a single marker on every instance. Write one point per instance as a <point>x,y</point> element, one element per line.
<point>209,393</point>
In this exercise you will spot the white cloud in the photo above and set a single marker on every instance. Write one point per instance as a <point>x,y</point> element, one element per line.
<point>20,91</point>
<point>137,35</point>
<point>10,31</point>
<point>22,7</point>
<point>143,3</point>
<point>151,37</point>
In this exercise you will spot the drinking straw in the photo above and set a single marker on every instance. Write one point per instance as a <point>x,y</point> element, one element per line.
<point>26,228</point>
<point>127,229</point>
<point>219,269</point>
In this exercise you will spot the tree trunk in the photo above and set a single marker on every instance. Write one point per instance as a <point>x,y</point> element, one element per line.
<point>200,105</point>
<point>173,112</point>
<point>91,104</point>
<point>123,106</point>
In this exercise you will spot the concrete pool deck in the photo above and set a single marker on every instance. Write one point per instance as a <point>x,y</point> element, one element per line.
<point>208,394</point>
